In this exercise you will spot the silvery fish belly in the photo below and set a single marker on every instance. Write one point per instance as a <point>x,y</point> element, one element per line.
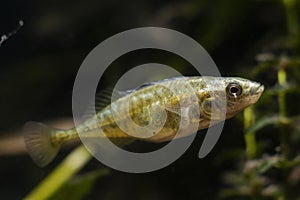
<point>153,112</point>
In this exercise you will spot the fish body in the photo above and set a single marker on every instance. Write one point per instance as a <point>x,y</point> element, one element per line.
<point>162,108</point>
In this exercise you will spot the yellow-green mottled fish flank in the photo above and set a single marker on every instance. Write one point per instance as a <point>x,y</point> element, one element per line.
<point>147,105</point>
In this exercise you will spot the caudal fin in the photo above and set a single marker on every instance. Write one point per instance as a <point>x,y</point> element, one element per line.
<point>38,143</point>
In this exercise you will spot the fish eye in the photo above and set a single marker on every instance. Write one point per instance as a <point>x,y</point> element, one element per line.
<point>234,89</point>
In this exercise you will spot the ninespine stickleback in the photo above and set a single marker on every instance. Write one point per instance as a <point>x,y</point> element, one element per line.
<point>44,142</point>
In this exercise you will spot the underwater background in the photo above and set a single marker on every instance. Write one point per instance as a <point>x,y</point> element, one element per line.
<point>258,153</point>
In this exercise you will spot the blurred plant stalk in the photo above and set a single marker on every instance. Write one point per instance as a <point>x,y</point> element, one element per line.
<point>251,147</point>
<point>292,24</point>
<point>282,110</point>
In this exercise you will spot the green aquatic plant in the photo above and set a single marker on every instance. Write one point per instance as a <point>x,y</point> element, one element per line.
<point>265,174</point>
<point>252,178</point>
<point>61,175</point>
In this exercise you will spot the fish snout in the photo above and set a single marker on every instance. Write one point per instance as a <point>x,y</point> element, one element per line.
<point>255,92</point>
<point>257,89</point>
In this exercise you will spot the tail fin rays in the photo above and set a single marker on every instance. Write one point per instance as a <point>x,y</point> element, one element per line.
<point>38,143</point>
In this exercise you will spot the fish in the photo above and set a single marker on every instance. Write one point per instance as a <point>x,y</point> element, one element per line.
<point>154,104</point>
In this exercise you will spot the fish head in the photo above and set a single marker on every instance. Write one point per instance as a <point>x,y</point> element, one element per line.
<point>241,93</point>
<point>231,93</point>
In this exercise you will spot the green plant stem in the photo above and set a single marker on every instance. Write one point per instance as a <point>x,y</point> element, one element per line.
<point>283,134</point>
<point>282,111</point>
<point>70,166</point>
<point>292,24</point>
<point>251,147</point>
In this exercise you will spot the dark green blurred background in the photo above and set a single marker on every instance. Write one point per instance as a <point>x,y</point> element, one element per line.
<point>39,64</point>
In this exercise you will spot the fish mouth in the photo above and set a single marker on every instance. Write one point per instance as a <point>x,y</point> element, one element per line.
<point>258,90</point>
<point>255,93</point>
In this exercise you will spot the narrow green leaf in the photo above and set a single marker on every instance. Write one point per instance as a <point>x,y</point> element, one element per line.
<point>265,121</point>
<point>52,183</point>
<point>78,187</point>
